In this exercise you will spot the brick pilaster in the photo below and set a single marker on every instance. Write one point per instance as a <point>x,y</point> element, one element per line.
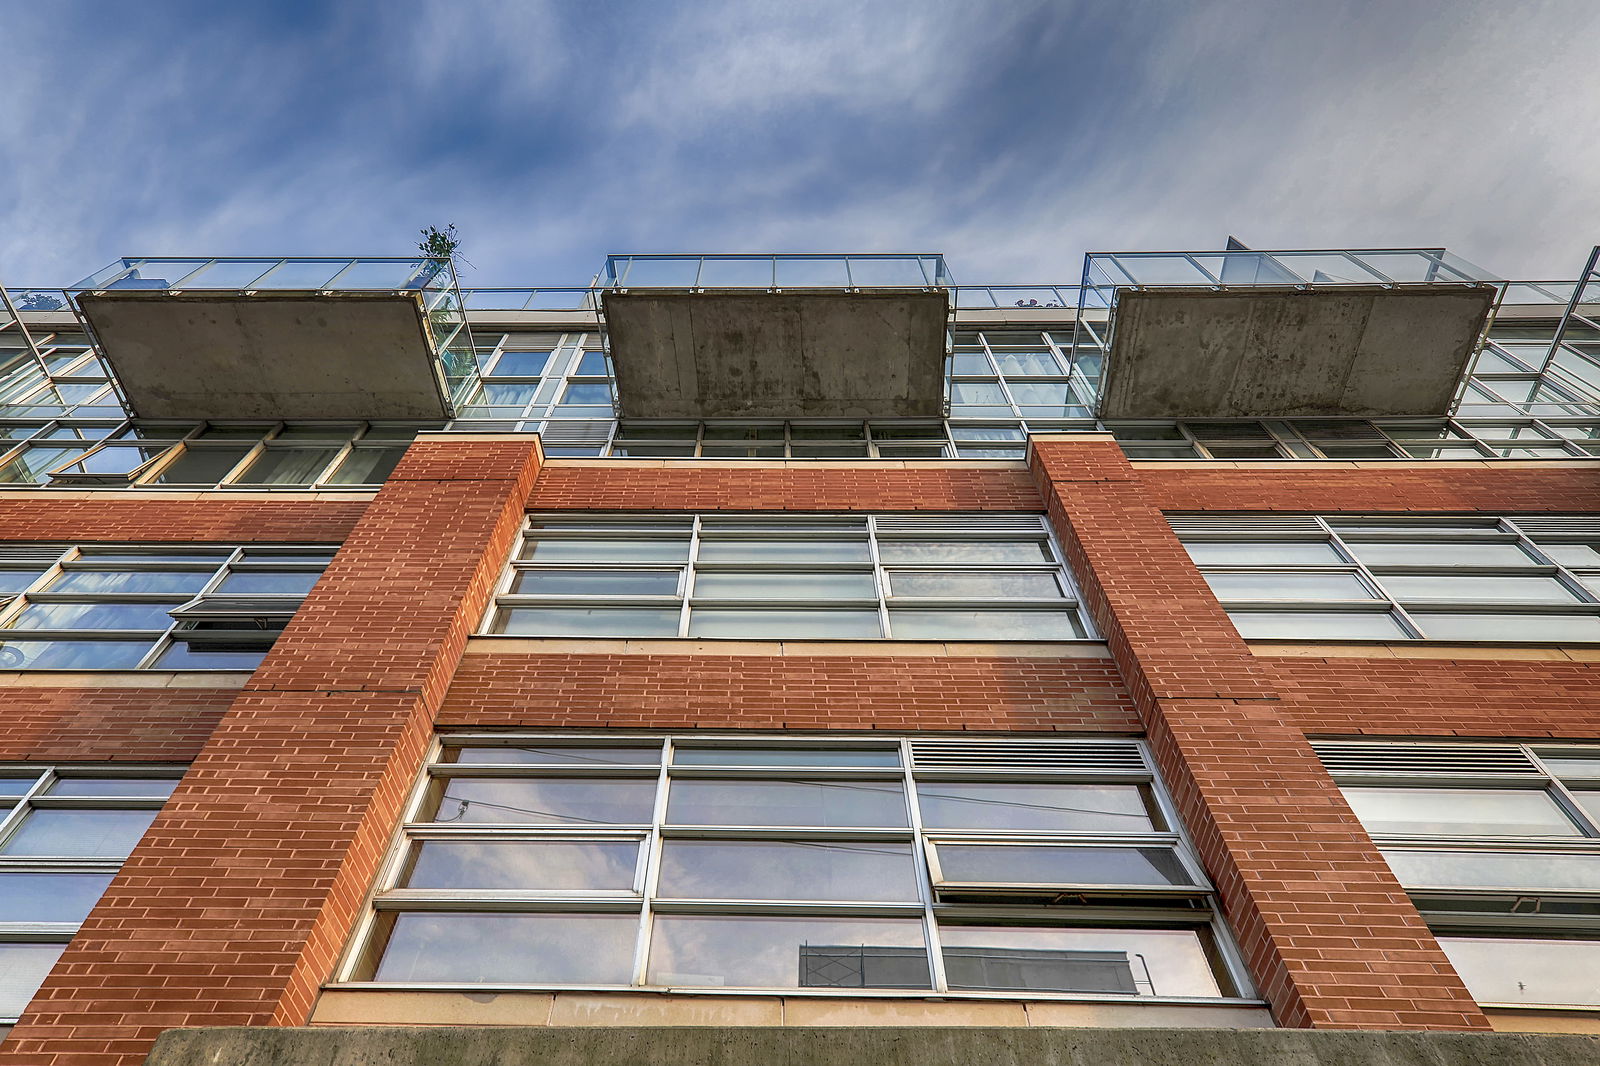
<point>1330,937</point>
<point>234,907</point>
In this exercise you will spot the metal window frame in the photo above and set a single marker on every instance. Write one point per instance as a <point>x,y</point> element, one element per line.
<point>1201,917</point>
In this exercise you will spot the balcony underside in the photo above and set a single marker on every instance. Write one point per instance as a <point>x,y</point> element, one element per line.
<point>778,355</point>
<point>1282,353</point>
<point>270,355</point>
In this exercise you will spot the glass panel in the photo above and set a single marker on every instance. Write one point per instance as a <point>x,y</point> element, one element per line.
<point>118,581</point>
<point>50,897</point>
<point>776,585</point>
<point>1314,625</point>
<point>1035,807</point>
<point>1441,553</point>
<point>590,949</point>
<point>113,786</point>
<point>1494,869</point>
<point>367,466</point>
<point>596,583</point>
<point>587,394</point>
<point>23,968</point>
<point>1572,764</point>
<point>288,466</point>
<point>793,623</point>
<point>1504,970</point>
<point>560,755</point>
<point>965,551</point>
<point>1480,587</point>
<point>1152,962</point>
<point>521,364</point>
<point>201,466</point>
<point>974,584</point>
<point>1459,812</point>
<point>785,803</point>
<point>16,580</point>
<point>1288,586</point>
<point>16,786</point>
<point>530,865</point>
<point>1571,554</point>
<point>548,801</point>
<point>94,616</point>
<point>784,756</point>
<point>998,864</point>
<point>602,550</point>
<point>1590,802</point>
<point>269,582</point>
<point>587,621</point>
<point>108,834</point>
<point>762,952</point>
<point>984,625</point>
<point>1261,552</point>
<point>868,871</point>
<point>796,551</point>
<point>72,654</point>
<point>1555,628</point>
<point>180,656</point>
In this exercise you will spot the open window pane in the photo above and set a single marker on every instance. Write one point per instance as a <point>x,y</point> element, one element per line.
<point>1495,869</point>
<point>773,952</point>
<point>1047,864</point>
<point>835,870</point>
<point>595,583</point>
<point>559,755</point>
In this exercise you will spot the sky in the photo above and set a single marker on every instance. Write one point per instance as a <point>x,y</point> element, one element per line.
<point>1012,136</point>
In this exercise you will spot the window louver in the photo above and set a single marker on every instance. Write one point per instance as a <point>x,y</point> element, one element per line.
<point>574,432</point>
<point>965,524</point>
<point>1424,760</point>
<point>1033,756</point>
<point>40,554</point>
<point>1571,525</point>
<point>1227,525</point>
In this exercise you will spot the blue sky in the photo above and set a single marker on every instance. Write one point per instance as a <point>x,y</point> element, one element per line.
<point>1012,136</point>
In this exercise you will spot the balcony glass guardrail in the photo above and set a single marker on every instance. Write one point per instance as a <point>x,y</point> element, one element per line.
<point>895,270</point>
<point>1298,268</point>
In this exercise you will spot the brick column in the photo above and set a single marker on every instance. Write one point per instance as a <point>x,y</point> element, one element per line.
<point>1330,937</point>
<point>235,906</point>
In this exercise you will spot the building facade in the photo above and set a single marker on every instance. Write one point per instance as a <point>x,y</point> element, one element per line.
<point>794,645</point>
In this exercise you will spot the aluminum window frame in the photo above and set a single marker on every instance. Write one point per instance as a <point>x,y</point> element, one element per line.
<point>229,559</point>
<point>1192,908</point>
<point>1582,583</point>
<point>767,526</point>
<point>1457,910</point>
<point>15,809</point>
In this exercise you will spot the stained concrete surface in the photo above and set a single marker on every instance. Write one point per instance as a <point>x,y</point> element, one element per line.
<point>761,1046</point>
<point>778,355</point>
<point>1283,353</point>
<point>272,356</point>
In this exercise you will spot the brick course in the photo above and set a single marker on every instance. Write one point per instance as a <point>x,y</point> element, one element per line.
<point>106,516</point>
<point>108,724</point>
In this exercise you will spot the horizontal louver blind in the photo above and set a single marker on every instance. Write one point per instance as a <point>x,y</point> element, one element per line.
<point>1225,525</point>
<point>966,524</point>
<point>1555,525</point>
<point>1040,756</point>
<point>42,554</point>
<point>575,432</point>
<point>1423,760</point>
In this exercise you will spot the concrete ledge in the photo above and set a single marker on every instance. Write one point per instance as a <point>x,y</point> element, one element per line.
<point>1576,653</point>
<point>845,1046</point>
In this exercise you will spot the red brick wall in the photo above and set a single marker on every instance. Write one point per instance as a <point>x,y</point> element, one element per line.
<point>686,485</point>
<point>1502,488</point>
<point>108,724</point>
<point>1330,937</point>
<point>109,516</point>
<point>234,906</point>
<point>1440,697</point>
<point>787,692</point>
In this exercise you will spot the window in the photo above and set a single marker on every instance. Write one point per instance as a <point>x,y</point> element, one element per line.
<point>1499,847</point>
<point>1533,579</point>
<point>996,867</point>
<point>149,606</point>
<point>64,832</point>
<point>773,577</point>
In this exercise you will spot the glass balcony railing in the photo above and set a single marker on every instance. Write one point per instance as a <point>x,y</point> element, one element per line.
<point>1385,267</point>
<point>798,271</point>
